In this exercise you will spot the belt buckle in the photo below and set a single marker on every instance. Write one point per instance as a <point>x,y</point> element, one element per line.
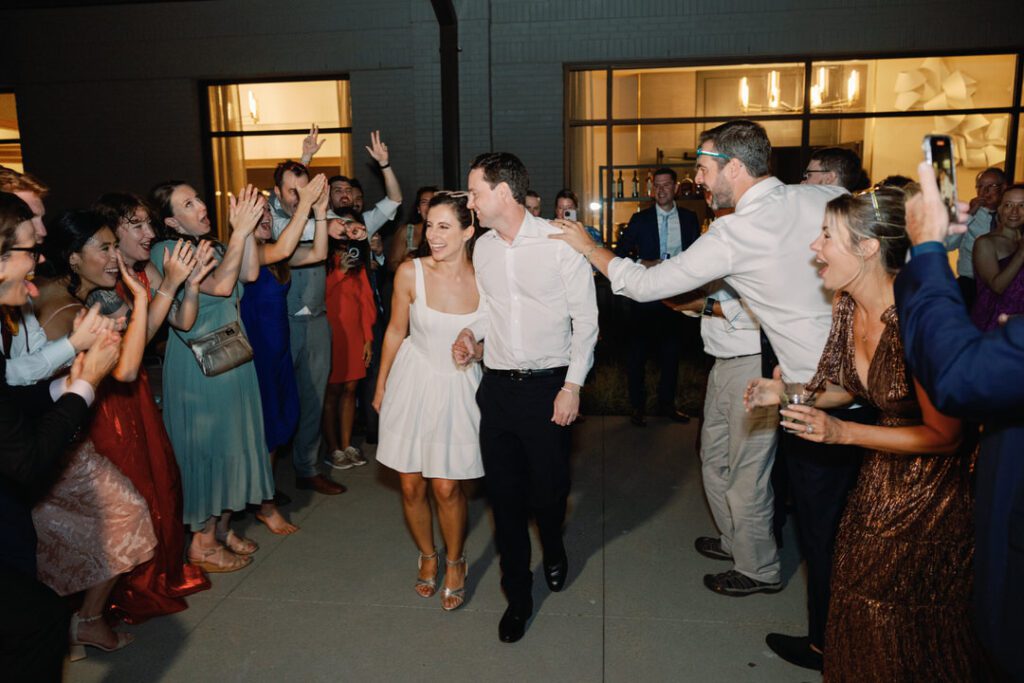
<point>520,375</point>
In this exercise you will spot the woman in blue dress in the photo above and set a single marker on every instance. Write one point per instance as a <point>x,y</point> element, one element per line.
<point>215,423</point>
<point>264,311</point>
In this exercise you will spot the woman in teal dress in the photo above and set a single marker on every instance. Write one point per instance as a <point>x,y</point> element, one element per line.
<point>215,423</point>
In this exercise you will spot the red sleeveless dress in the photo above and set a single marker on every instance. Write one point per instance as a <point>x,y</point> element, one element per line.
<point>128,430</point>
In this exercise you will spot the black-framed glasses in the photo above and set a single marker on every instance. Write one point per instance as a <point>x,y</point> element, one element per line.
<point>36,250</point>
<point>812,170</point>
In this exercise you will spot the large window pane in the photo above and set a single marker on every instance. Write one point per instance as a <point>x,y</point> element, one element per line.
<point>724,91</point>
<point>892,146</point>
<point>279,106</point>
<point>1018,171</point>
<point>588,95</point>
<point>911,84</point>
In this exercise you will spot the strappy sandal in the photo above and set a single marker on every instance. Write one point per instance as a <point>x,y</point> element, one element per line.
<point>204,560</point>
<point>78,646</point>
<point>238,545</point>
<point>428,586</point>
<point>458,594</point>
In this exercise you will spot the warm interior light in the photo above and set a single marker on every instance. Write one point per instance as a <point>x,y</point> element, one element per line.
<point>744,92</point>
<point>253,108</point>
<point>774,95</point>
<point>852,86</point>
<point>822,79</point>
<point>595,206</point>
<point>815,95</point>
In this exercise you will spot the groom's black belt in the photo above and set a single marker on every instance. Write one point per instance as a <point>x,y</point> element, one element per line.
<point>525,374</point>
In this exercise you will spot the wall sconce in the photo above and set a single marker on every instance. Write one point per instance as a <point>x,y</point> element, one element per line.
<point>253,108</point>
<point>744,93</point>
<point>774,93</point>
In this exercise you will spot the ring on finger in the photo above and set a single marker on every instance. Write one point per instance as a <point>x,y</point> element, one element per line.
<point>810,429</point>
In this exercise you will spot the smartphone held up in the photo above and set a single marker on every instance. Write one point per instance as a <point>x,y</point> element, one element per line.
<point>938,151</point>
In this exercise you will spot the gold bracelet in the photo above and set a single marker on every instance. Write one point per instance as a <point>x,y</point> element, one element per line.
<point>160,291</point>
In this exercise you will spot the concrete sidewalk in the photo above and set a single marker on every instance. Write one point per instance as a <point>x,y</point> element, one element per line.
<point>335,602</point>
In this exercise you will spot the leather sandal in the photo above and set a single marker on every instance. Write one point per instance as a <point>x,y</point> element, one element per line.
<point>237,544</point>
<point>77,652</point>
<point>426,588</point>
<point>458,594</point>
<point>223,565</point>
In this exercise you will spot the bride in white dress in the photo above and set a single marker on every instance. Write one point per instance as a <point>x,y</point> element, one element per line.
<point>429,420</point>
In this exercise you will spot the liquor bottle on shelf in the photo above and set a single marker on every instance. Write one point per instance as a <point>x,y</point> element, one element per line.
<point>618,187</point>
<point>636,185</point>
<point>650,184</point>
<point>687,189</point>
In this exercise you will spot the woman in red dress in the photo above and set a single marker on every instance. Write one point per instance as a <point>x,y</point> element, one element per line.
<point>128,428</point>
<point>351,312</point>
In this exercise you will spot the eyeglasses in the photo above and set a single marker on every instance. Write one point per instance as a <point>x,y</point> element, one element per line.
<point>717,155</point>
<point>813,170</point>
<point>36,250</point>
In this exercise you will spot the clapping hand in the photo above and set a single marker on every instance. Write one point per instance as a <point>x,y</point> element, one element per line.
<point>96,363</point>
<point>138,290</point>
<point>314,191</point>
<point>205,262</point>
<point>179,264</point>
<point>377,149</point>
<point>89,325</point>
<point>246,210</point>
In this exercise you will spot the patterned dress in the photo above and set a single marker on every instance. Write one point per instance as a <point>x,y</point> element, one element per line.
<point>901,578</point>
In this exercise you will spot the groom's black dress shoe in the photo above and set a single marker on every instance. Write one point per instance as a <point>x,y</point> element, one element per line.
<point>513,623</point>
<point>556,574</point>
<point>796,650</point>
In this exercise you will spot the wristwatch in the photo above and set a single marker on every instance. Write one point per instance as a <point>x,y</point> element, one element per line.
<point>709,307</point>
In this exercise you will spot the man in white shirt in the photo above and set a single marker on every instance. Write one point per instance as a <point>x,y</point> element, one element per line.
<point>990,185</point>
<point>539,345</point>
<point>737,449</point>
<point>762,250</point>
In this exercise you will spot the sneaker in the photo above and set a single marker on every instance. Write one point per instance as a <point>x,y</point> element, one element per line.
<point>711,547</point>
<point>737,585</point>
<point>340,460</point>
<point>354,456</point>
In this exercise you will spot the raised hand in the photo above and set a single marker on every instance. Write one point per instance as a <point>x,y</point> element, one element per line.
<point>312,191</point>
<point>178,264</point>
<point>205,263</point>
<point>310,146</point>
<point>357,231</point>
<point>927,217</point>
<point>138,290</point>
<point>377,149</point>
<point>246,210</point>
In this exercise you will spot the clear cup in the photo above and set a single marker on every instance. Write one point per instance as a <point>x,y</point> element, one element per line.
<point>794,393</point>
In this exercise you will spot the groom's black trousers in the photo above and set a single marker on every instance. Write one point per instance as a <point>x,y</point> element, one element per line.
<point>526,467</point>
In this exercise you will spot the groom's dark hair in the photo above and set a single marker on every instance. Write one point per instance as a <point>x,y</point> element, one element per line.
<point>503,167</point>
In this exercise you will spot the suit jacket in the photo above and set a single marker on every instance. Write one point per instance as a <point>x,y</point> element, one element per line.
<point>34,436</point>
<point>640,240</point>
<point>981,376</point>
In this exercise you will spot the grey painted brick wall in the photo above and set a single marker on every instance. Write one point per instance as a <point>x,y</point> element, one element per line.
<point>108,95</point>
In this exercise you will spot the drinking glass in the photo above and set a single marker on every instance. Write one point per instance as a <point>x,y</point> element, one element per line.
<point>794,393</point>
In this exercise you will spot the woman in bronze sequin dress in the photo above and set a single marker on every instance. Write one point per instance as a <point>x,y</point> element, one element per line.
<point>901,577</point>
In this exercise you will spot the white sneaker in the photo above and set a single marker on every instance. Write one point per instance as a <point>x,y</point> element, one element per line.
<point>355,457</point>
<point>340,460</point>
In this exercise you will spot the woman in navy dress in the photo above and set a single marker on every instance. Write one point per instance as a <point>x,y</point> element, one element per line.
<point>264,310</point>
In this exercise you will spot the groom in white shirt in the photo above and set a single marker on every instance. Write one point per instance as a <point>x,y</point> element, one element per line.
<point>539,345</point>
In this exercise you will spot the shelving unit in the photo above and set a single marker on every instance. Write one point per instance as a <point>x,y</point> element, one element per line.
<point>611,223</point>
